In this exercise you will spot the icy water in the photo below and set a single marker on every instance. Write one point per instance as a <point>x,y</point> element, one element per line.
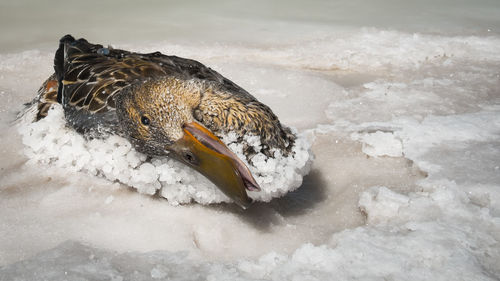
<point>400,100</point>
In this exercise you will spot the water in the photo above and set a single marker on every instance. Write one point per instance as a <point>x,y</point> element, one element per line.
<point>34,24</point>
<point>401,102</point>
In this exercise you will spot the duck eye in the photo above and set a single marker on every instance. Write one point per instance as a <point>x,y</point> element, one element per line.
<point>189,157</point>
<point>145,121</point>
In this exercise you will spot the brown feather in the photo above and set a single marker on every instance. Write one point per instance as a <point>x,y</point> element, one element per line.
<point>92,77</point>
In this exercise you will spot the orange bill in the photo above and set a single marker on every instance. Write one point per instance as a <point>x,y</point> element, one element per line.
<point>203,151</point>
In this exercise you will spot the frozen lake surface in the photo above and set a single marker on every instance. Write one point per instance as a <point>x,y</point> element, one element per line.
<point>400,101</point>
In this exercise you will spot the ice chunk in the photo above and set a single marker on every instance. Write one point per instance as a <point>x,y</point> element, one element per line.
<point>381,204</point>
<point>380,144</point>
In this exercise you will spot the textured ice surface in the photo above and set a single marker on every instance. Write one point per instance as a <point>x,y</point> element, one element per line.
<point>431,97</point>
<point>50,141</point>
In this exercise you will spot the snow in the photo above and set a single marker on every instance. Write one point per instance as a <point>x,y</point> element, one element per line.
<point>405,183</point>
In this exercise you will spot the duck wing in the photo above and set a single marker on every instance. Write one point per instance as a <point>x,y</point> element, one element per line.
<point>90,75</point>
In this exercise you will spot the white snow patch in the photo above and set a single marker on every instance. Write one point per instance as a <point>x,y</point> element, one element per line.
<point>50,141</point>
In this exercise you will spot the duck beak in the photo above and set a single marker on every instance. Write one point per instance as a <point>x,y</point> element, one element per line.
<point>203,151</point>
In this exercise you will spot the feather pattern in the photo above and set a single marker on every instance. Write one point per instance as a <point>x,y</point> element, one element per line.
<point>89,78</point>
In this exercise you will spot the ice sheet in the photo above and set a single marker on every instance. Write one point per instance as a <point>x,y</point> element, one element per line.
<point>405,186</point>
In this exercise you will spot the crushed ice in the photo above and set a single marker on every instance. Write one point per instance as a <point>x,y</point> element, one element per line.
<point>50,141</point>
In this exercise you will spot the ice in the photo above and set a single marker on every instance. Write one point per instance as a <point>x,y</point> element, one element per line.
<point>379,204</point>
<point>380,144</point>
<point>88,263</point>
<point>362,254</point>
<point>404,126</point>
<point>50,141</point>
<point>109,199</point>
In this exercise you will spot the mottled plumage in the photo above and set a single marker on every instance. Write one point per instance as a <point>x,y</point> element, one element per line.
<point>90,78</point>
<point>158,102</point>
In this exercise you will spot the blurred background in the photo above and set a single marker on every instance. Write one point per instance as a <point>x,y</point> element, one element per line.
<point>38,24</point>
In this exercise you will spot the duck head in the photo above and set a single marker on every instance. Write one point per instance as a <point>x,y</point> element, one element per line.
<point>157,117</point>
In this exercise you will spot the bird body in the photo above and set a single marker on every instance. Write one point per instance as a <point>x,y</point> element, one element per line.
<point>165,105</point>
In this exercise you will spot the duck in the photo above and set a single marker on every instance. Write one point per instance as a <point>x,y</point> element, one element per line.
<point>164,105</point>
